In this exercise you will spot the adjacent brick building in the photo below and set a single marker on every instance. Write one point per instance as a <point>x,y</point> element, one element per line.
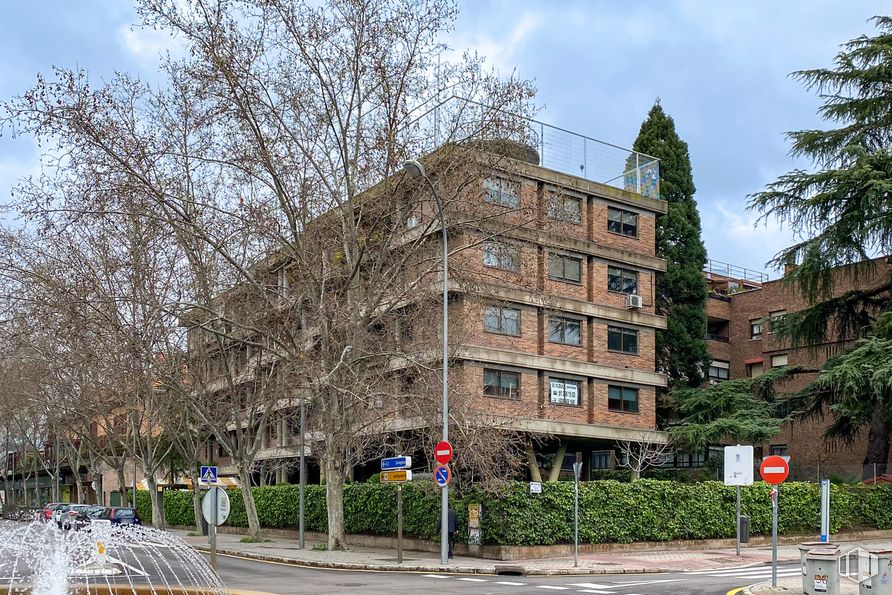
<point>741,306</point>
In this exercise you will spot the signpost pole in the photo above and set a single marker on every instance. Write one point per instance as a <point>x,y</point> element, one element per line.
<point>399,523</point>
<point>738,520</point>
<point>577,467</point>
<point>825,510</point>
<point>303,474</point>
<point>212,531</point>
<point>774,493</point>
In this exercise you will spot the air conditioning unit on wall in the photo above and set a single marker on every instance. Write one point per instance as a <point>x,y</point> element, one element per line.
<point>634,301</point>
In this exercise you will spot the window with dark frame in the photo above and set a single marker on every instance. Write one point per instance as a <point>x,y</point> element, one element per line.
<point>563,267</point>
<point>622,398</point>
<point>778,450</point>
<point>564,330</point>
<point>500,256</point>
<point>756,329</point>
<point>622,280</point>
<point>564,208</point>
<point>622,339</point>
<point>499,191</point>
<point>622,222</point>
<point>501,384</point>
<point>502,321</point>
<point>719,371</point>
<point>601,459</point>
<point>562,391</point>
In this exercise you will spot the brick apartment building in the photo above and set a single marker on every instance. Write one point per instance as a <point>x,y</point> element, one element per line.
<point>740,308</point>
<point>552,318</point>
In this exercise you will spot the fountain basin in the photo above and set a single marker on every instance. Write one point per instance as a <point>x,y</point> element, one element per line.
<point>131,590</point>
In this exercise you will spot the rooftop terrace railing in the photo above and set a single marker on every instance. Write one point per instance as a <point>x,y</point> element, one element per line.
<point>458,120</point>
<point>734,271</point>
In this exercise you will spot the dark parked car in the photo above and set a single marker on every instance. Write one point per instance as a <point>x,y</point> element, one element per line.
<point>123,517</point>
<point>85,517</point>
<point>69,519</point>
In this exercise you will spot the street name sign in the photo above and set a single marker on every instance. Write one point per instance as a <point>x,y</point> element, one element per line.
<point>442,475</point>
<point>443,452</point>
<point>208,475</point>
<point>396,476</point>
<point>739,465</point>
<point>396,463</point>
<point>774,469</point>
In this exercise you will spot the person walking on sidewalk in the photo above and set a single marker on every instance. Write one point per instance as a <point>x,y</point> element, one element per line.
<point>451,527</point>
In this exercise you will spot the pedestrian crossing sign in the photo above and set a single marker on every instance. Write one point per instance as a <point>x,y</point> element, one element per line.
<point>208,475</point>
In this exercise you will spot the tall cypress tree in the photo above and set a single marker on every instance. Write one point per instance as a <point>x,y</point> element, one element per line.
<point>681,291</point>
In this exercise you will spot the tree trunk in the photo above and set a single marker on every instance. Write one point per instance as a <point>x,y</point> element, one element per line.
<point>334,499</point>
<point>79,488</point>
<point>877,445</point>
<point>122,483</point>
<point>535,473</point>
<point>244,477</point>
<point>196,501</point>
<point>635,473</point>
<point>157,501</point>
<point>555,472</point>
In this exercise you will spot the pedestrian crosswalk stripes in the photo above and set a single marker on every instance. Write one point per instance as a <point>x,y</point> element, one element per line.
<point>751,572</point>
<point>599,588</point>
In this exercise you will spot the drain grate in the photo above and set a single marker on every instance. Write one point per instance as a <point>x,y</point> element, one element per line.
<point>510,570</point>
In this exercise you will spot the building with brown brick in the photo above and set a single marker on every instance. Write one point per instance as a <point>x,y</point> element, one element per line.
<point>741,306</point>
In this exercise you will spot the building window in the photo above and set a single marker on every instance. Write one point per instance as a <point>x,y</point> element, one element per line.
<point>499,191</point>
<point>779,450</point>
<point>564,208</point>
<point>622,339</point>
<point>622,221</point>
<point>719,371</point>
<point>690,459</point>
<point>756,329</point>
<point>504,321</point>
<point>776,320</point>
<point>564,268</point>
<point>621,398</point>
<point>779,361</point>
<point>755,370</point>
<point>622,280</point>
<point>498,383</point>
<point>500,256</point>
<point>564,392</point>
<point>564,330</point>
<point>601,459</point>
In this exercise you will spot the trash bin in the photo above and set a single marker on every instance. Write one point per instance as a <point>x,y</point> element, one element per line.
<point>821,572</point>
<point>744,529</point>
<point>882,580</point>
<point>806,547</point>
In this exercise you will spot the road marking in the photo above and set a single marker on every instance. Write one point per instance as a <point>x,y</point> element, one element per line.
<point>510,584</point>
<point>735,591</point>
<point>552,587</point>
<point>125,565</point>
<point>592,586</point>
<point>475,580</point>
<point>754,572</point>
<point>435,576</point>
<point>641,583</point>
<point>598,591</point>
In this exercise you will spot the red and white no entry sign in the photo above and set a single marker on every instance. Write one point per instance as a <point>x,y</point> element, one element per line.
<point>443,452</point>
<point>774,469</point>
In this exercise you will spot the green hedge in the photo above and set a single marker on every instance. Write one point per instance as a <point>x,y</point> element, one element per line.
<point>610,511</point>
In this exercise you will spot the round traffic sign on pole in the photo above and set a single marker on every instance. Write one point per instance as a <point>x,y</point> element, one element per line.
<point>443,452</point>
<point>774,469</point>
<point>215,498</point>
<point>442,475</point>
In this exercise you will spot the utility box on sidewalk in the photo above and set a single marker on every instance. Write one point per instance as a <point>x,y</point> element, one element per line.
<point>881,582</point>
<point>808,546</point>
<point>821,571</point>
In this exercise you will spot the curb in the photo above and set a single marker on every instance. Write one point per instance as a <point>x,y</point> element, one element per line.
<point>432,568</point>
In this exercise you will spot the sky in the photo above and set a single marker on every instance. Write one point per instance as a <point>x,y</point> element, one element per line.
<point>719,68</point>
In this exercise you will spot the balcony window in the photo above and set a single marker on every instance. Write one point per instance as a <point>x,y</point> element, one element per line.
<point>503,321</point>
<point>622,222</point>
<point>601,459</point>
<point>501,384</point>
<point>621,398</point>
<point>565,208</point>
<point>622,280</point>
<point>564,268</point>
<point>719,372</point>
<point>497,255</point>
<point>564,330</point>
<point>499,191</point>
<point>621,339</point>
<point>563,392</point>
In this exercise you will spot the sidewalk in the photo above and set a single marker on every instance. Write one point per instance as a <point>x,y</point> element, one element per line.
<point>367,558</point>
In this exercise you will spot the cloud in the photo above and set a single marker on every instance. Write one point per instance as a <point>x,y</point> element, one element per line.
<point>147,44</point>
<point>500,50</point>
<point>739,237</point>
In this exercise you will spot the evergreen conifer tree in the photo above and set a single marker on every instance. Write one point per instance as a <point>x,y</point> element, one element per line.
<point>681,290</point>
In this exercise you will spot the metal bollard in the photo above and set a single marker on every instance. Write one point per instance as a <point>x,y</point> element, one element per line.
<point>821,572</point>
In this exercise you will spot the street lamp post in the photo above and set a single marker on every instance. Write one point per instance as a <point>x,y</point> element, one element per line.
<point>416,170</point>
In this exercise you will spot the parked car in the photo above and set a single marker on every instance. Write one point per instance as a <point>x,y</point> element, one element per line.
<point>87,516</point>
<point>69,519</point>
<point>58,512</point>
<point>122,517</point>
<point>48,511</point>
